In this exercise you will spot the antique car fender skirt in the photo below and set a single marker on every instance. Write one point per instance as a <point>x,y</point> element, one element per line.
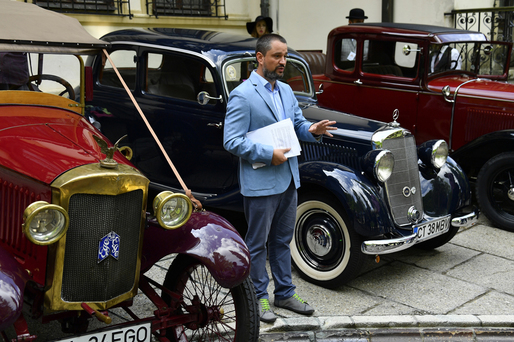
<point>477,152</point>
<point>359,197</point>
<point>12,285</point>
<point>445,190</point>
<point>207,237</point>
<point>375,247</point>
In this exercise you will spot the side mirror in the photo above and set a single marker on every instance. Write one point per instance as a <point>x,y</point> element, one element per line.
<point>320,89</point>
<point>203,98</point>
<point>407,50</point>
<point>447,94</point>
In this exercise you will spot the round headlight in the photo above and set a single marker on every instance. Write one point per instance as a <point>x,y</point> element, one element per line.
<point>172,210</point>
<point>384,165</point>
<point>44,223</point>
<point>439,153</point>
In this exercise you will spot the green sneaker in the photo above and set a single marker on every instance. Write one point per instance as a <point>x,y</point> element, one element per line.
<point>265,312</point>
<point>296,304</point>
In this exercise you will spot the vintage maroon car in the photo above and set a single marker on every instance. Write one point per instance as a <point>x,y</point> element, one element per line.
<point>75,234</point>
<point>446,83</point>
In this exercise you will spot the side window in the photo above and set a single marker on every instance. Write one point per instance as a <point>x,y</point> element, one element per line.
<point>346,54</point>
<point>125,62</point>
<point>391,58</point>
<point>177,76</point>
<point>237,72</point>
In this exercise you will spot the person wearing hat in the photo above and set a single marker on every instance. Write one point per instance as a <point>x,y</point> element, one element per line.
<point>356,16</point>
<point>349,46</point>
<point>260,27</point>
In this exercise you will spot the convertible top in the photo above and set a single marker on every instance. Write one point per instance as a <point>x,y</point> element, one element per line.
<point>26,27</point>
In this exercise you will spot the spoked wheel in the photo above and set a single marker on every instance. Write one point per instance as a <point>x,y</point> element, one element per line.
<point>68,89</point>
<point>325,249</point>
<point>495,190</point>
<point>222,314</point>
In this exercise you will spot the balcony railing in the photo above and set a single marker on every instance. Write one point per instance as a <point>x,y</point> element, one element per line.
<point>496,22</point>
<point>191,8</point>
<point>104,7</point>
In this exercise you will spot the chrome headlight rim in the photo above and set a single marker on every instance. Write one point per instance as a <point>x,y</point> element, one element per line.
<point>439,154</point>
<point>34,212</point>
<point>384,166</point>
<point>162,199</point>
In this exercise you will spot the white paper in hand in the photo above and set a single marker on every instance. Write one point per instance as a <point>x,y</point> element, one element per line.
<point>279,135</point>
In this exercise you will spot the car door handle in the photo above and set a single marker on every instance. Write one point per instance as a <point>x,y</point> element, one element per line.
<point>218,125</point>
<point>359,82</point>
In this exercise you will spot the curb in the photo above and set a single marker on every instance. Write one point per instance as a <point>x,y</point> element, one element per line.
<point>390,328</point>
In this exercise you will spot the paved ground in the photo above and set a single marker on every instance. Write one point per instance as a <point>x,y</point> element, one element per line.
<point>463,291</point>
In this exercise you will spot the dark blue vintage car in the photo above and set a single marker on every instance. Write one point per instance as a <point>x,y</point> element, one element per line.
<point>367,191</point>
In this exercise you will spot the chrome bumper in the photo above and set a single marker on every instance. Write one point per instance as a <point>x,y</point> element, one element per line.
<point>466,220</point>
<point>387,246</point>
<point>375,247</point>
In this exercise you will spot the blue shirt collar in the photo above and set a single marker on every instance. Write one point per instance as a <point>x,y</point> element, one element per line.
<point>266,84</point>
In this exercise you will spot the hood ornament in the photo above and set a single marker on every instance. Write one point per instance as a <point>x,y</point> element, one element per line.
<point>396,115</point>
<point>108,162</point>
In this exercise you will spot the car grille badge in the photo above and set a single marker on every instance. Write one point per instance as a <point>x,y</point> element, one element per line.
<point>109,245</point>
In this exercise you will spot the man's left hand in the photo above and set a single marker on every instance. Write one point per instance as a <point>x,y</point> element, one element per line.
<point>322,127</point>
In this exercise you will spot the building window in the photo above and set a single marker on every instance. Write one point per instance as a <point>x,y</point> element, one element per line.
<point>110,7</point>
<point>193,8</point>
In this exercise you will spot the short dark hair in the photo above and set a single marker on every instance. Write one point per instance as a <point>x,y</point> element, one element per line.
<point>264,42</point>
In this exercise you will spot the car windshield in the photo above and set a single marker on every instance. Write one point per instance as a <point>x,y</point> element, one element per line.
<point>483,59</point>
<point>296,75</point>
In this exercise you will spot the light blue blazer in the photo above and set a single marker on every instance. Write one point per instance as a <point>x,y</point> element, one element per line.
<point>250,107</point>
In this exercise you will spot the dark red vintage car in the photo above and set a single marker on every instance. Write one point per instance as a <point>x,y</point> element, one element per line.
<point>446,83</point>
<point>76,235</point>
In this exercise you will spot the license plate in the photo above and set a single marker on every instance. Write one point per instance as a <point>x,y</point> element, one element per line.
<point>133,333</point>
<point>433,228</point>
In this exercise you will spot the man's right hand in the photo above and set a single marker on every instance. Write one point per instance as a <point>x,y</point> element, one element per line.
<point>279,156</point>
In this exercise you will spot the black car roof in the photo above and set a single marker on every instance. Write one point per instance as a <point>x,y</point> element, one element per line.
<point>200,41</point>
<point>431,32</point>
<point>419,27</point>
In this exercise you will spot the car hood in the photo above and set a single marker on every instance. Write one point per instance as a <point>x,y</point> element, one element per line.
<point>349,126</point>
<point>43,142</point>
<point>475,87</point>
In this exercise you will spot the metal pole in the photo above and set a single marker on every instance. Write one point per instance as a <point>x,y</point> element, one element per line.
<point>265,8</point>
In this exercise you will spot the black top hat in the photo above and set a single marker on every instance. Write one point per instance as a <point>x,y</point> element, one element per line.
<point>357,13</point>
<point>250,26</point>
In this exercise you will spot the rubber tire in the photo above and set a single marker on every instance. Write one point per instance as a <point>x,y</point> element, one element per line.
<point>343,259</point>
<point>486,179</point>
<point>246,313</point>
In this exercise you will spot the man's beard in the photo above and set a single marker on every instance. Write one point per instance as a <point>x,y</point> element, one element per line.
<point>271,75</point>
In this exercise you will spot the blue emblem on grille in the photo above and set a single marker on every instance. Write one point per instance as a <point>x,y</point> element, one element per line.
<point>109,245</point>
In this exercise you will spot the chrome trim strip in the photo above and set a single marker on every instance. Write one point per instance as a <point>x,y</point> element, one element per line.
<point>165,48</point>
<point>467,220</point>
<point>453,109</point>
<point>374,247</point>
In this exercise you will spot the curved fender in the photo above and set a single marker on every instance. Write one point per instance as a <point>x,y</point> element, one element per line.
<point>446,191</point>
<point>476,153</point>
<point>359,197</point>
<point>12,285</point>
<point>206,236</point>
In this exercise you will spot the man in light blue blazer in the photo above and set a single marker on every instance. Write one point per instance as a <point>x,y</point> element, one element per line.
<point>269,192</point>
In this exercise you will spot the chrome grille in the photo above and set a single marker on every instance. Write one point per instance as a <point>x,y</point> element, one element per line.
<point>405,175</point>
<point>91,218</point>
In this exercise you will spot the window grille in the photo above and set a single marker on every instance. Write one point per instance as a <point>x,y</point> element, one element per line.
<point>191,8</point>
<point>106,7</point>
